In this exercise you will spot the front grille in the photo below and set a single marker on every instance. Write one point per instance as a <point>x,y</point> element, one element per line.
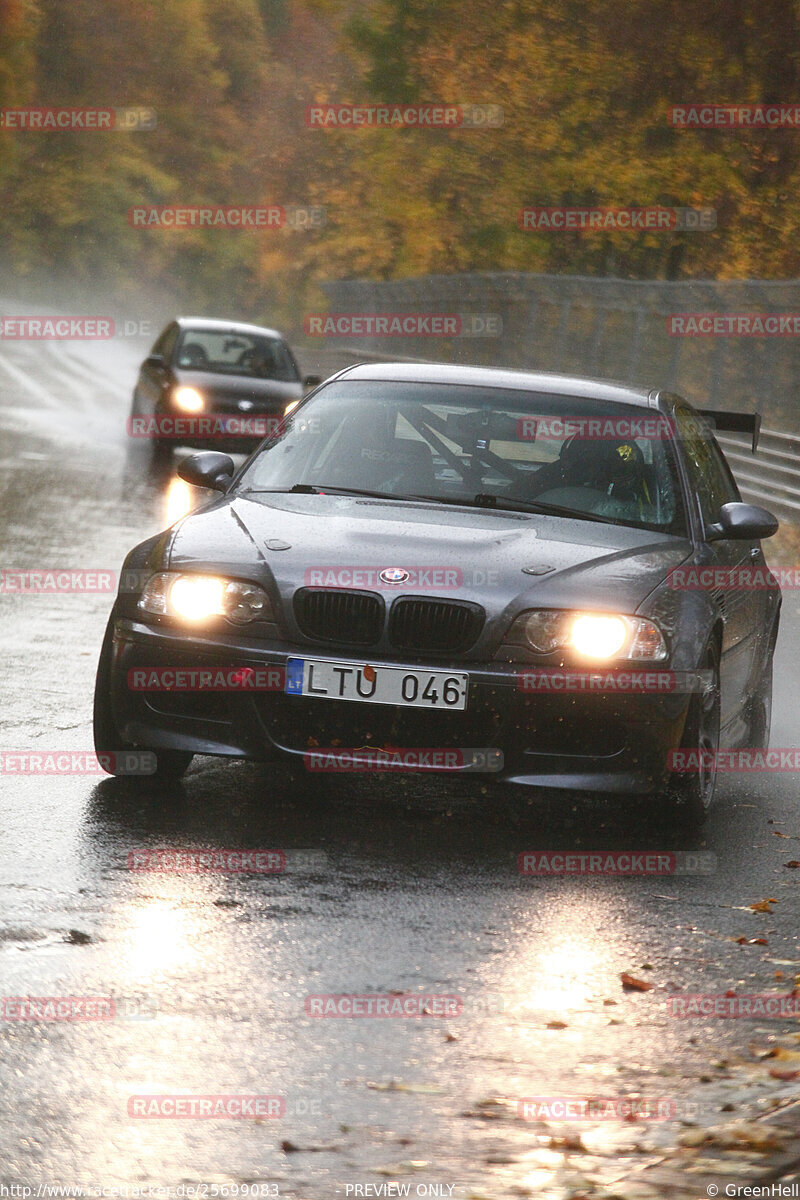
<point>334,615</point>
<point>438,626</point>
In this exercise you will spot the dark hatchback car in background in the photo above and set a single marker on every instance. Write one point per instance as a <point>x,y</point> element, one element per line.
<point>205,377</point>
<point>415,544</point>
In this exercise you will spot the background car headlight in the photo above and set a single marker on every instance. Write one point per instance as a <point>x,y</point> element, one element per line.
<point>188,399</point>
<point>196,598</point>
<point>599,637</point>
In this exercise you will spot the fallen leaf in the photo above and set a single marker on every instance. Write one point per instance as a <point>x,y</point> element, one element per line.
<point>763,906</point>
<point>777,1073</point>
<point>496,1108</point>
<point>402,1168</point>
<point>793,863</point>
<point>786,1055</point>
<point>745,1135</point>
<point>396,1085</point>
<point>631,984</point>
<point>569,1142</point>
<point>557,1025</point>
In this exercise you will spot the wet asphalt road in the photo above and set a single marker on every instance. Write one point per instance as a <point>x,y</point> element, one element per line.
<point>403,885</point>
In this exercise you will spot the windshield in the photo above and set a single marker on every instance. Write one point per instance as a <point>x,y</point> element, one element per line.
<point>491,446</point>
<point>250,355</point>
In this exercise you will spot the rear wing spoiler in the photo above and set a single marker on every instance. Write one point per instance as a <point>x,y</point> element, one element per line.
<point>734,422</point>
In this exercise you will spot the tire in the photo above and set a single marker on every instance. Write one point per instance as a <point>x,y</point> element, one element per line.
<point>170,764</point>
<point>688,796</point>
<point>759,715</point>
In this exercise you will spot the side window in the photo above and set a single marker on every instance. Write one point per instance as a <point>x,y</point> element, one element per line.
<point>710,475</point>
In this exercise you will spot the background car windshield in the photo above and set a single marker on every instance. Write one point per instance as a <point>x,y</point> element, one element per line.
<point>454,442</point>
<point>225,353</point>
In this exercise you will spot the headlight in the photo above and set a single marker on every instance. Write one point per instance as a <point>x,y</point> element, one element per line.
<point>197,598</point>
<point>588,635</point>
<point>188,399</point>
<point>598,637</point>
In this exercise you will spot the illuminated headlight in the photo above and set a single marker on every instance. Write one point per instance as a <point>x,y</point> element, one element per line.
<point>198,598</point>
<point>188,399</point>
<point>589,635</point>
<point>598,636</point>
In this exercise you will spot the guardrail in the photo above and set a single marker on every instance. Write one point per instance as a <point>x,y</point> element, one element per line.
<point>771,476</point>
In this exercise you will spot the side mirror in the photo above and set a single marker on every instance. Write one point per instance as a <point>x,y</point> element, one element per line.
<point>209,470</point>
<point>312,381</point>
<point>155,360</point>
<point>742,523</point>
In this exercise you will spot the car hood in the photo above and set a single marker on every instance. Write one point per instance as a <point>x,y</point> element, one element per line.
<point>298,540</point>
<point>237,387</point>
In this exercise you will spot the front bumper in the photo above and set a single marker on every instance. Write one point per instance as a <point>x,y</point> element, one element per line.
<point>226,427</point>
<point>586,741</point>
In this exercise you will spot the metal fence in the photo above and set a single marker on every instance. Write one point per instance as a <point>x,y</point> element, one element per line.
<point>616,329</point>
<point>770,477</point>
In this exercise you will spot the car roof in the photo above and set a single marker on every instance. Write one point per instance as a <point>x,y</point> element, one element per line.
<point>536,381</point>
<point>214,325</point>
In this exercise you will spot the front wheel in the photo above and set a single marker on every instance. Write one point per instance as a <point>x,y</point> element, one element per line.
<point>689,794</point>
<point>108,745</point>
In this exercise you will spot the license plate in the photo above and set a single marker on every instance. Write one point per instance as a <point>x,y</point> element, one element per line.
<point>376,685</point>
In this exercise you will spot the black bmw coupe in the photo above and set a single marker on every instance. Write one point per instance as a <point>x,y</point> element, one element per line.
<point>452,568</point>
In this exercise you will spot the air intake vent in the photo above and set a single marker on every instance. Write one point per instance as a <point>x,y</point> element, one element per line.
<point>438,626</point>
<point>334,615</point>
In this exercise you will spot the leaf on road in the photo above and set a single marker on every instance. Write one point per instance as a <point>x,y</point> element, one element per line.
<point>763,906</point>
<point>494,1108</point>
<point>557,1025</point>
<point>792,863</point>
<point>631,984</point>
<point>786,1055</point>
<point>567,1142</point>
<point>397,1085</point>
<point>403,1168</point>
<point>743,1135</point>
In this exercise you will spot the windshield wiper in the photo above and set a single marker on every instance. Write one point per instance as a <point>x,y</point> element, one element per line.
<point>307,489</point>
<point>503,503</point>
<point>318,489</point>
